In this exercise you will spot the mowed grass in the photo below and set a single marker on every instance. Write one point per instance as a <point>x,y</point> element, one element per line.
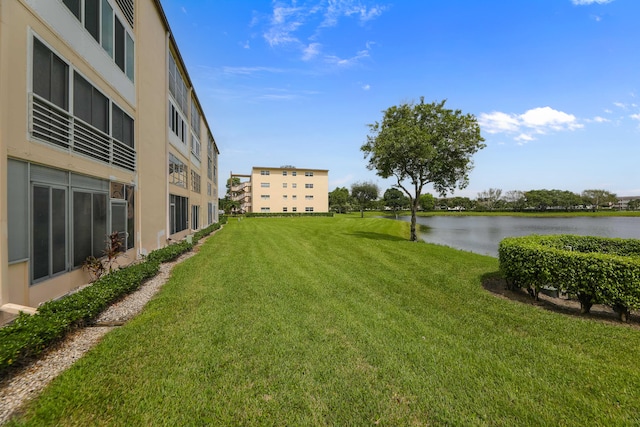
<point>342,321</point>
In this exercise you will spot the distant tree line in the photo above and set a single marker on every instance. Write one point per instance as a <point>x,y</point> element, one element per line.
<point>365,196</point>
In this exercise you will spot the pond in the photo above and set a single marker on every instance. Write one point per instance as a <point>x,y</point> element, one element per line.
<point>482,234</point>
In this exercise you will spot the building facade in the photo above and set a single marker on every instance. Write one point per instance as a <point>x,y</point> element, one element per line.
<point>288,189</point>
<point>100,132</point>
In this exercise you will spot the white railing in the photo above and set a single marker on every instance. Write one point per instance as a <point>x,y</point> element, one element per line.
<point>51,124</point>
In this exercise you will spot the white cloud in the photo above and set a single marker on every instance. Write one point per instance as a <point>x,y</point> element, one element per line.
<point>310,51</point>
<point>546,117</point>
<point>620,105</point>
<point>498,122</point>
<point>347,8</point>
<point>284,22</point>
<point>366,87</point>
<point>347,62</point>
<point>599,119</point>
<point>184,10</point>
<point>586,2</point>
<point>538,121</point>
<point>635,116</point>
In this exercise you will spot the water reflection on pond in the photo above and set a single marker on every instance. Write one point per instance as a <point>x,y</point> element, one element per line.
<point>482,234</point>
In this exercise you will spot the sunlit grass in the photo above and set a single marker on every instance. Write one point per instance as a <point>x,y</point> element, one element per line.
<point>342,321</point>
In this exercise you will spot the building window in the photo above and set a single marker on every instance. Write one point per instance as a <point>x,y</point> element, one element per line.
<point>294,173</point>
<point>209,187</point>
<point>284,196</point>
<point>49,231</point>
<point>308,174</point>
<point>294,197</point>
<point>308,209</point>
<point>308,186</point>
<point>50,76</point>
<point>177,123</point>
<point>210,213</point>
<point>265,209</point>
<point>195,145</point>
<point>308,197</point>
<point>121,126</point>
<point>177,171</point>
<point>294,185</point>
<point>265,197</point>
<point>177,86</point>
<point>68,217</point>
<point>284,185</point>
<point>264,172</point>
<point>284,173</point>
<point>105,27</point>
<point>89,104</point>
<point>265,184</point>
<point>195,182</point>
<point>284,209</point>
<point>294,209</point>
<point>210,173</point>
<point>178,213</point>
<point>94,134</point>
<point>195,217</point>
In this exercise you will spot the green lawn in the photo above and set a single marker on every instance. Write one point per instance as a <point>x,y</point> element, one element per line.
<point>342,321</point>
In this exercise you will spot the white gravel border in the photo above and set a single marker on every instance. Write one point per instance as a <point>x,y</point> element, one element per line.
<point>27,382</point>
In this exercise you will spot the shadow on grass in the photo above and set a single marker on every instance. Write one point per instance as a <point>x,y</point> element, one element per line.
<point>376,236</point>
<point>497,285</point>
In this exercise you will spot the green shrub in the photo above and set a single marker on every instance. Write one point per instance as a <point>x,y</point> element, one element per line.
<point>286,214</point>
<point>29,335</point>
<point>594,269</point>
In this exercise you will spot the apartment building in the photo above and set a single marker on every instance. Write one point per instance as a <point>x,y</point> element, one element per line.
<point>100,131</point>
<point>289,189</point>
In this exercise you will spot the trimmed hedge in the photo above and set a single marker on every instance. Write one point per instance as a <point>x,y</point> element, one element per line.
<point>597,270</point>
<point>286,214</point>
<point>30,335</point>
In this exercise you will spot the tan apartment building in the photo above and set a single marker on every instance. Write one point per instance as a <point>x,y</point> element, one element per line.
<point>100,131</point>
<point>289,189</point>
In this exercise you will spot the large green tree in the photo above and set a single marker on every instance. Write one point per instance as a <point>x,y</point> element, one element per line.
<point>395,199</point>
<point>597,198</point>
<point>364,194</point>
<point>339,200</point>
<point>427,202</point>
<point>420,143</point>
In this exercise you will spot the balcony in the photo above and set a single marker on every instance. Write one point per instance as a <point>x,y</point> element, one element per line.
<point>53,125</point>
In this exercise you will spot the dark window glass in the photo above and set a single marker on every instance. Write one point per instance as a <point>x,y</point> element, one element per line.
<point>74,7</point>
<point>130,217</point>
<point>178,215</point>
<point>81,227</point>
<point>99,111</point>
<point>119,220</point>
<point>58,230</point>
<point>82,98</point>
<point>49,75</point>
<point>99,223</point>
<point>122,126</point>
<point>89,104</point>
<point>92,18</point>
<point>40,206</point>
<point>119,44</point>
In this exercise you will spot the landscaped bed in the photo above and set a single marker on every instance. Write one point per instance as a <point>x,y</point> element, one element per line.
<point>596,270</point>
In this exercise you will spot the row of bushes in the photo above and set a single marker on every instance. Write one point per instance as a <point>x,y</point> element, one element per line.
<point>596,270</point>
<point>285,214</point>
<point>29,335</point>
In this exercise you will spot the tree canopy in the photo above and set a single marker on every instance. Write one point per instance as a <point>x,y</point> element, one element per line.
<point>423,143</point>
<point>395,199</point>
<point>339,200</point>
<point>364,194</point>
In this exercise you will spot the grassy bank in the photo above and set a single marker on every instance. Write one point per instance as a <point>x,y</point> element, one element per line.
<point>341,321</point>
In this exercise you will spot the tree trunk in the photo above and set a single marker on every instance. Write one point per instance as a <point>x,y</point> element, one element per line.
<point>414,208</point>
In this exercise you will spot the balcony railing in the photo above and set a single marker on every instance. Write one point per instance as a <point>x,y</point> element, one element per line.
<point>51,124</point>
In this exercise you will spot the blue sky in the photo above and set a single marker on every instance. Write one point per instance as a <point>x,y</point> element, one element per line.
<point>555,84</point>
